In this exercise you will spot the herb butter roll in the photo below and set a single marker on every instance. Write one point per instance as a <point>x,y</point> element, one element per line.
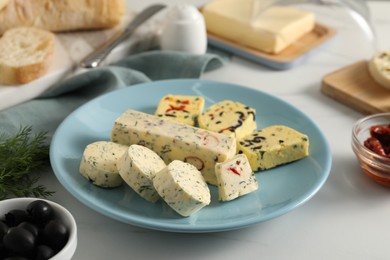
<point>99,163</point>
<point>138,166</point>
<point>183,188</point>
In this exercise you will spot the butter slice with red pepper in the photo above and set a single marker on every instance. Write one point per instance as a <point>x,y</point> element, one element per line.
<point>235,178</point>
<point>182,109</point>
<point>229,118</point>
<point>272,146</point>
<point>175,141</point>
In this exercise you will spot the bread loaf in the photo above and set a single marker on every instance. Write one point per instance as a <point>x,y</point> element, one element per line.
<point>3,3</point>
<point>63,15</point>
<point>25,54</point>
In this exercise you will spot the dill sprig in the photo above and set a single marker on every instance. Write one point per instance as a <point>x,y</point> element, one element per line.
<point>21,156</point>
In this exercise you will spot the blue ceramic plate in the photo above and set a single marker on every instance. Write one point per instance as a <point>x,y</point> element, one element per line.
<point>282,189</point>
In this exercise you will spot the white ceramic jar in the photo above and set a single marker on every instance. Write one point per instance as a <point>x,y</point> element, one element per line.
<point>184,29</point>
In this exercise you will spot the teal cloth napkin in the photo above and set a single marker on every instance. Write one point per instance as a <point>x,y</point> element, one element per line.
<point>48,111</point>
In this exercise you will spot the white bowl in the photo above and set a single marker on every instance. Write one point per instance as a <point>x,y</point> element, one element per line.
<point>60,212</point>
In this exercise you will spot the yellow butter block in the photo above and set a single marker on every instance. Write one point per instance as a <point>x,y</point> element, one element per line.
<point>273,146</point>
<point>182,109</point>
<point>230,118</point>
<point>249,23</point>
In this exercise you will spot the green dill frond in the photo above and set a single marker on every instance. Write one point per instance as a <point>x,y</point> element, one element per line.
<point>20,155</point>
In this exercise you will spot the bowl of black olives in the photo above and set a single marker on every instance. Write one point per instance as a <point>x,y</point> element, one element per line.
<point>36,229</point>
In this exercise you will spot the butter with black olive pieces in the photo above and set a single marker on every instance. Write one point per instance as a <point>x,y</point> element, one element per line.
<point>229,118</point>
<point>175,141</point>
<point>273,146</point>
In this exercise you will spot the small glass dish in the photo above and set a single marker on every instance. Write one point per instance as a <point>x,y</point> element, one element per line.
<point>375,166</point>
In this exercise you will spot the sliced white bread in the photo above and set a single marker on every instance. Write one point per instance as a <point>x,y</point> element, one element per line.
<point>25,54</point>
<point>379,68</point>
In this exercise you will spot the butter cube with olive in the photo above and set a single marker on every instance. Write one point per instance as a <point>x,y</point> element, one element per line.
<point>273,146</point>
<point>230,118</point>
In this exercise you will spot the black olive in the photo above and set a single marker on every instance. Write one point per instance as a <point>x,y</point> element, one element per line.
<point>32,233</point>
<point>3,251</point>
<point>55,234</point>
<point>44,252</point>
<point>3,230</point>
<point>30,227</point>
<point>40,211</point>
<point>19,240</point>
<point>15,217</point>
<point>16,258</point>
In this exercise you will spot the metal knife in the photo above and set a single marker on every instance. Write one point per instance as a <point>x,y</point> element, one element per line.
<point>97,56</point>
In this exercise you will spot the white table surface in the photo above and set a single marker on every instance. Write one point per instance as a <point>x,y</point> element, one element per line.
<point>347,219</point>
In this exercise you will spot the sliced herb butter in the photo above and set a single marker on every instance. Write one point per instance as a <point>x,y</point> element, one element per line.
<point>182,187</point>
<point>273,146</point>
<point>99,163</point>
<point>137,167</point>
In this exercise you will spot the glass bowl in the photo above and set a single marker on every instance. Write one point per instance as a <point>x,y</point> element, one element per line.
<point>375,166</point>
<point>59,213</point>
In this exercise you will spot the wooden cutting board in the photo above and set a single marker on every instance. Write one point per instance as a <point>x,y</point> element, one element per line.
<point>354,87</point>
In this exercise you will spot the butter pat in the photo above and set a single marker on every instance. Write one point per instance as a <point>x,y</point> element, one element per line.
<point>249,23</point>
<point>182,109</point>
<point>99,163</point>
<point>379,68</point>
<point>273,146</point>
<point>230,118</point>
<point>235,178</point>
<point>182,187</point>
<point>137,167</point>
